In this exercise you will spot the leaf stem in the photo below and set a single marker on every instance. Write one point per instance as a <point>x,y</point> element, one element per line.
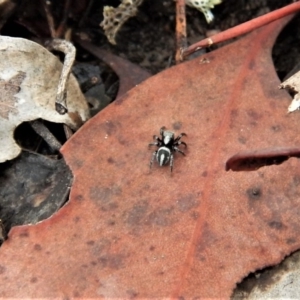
<point>242,28</point>
<point>181,42</point>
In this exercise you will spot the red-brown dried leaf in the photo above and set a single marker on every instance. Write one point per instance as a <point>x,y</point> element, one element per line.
<point>129,74</point>
<point>128,232</point>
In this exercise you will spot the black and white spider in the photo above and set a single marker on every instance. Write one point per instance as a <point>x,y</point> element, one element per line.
<point>167,145</point>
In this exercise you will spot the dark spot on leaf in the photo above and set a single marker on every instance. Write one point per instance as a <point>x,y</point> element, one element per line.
<point>112,261</point>
<point>123,142</point>
<point>110,206</point>
<point>78,198</point>
<point>296,180</point>
<point>254,193</point>
<point>104,196</point>
<point>76,294</point>
<point>177,125</point>
<point>291,241</point>
<point>33,280</point>
<point>206,240</point>
<point>120,99</point>
<point>90,243</point>
<point>76,219</point>
<point>187,202</point>
<point>132,294</point>
<point>252,65</point>
<point>110,127</point>
<point>37,247</point>
<point>2,269</point>
<point>137,214</point>
<point>101,247</point>
<point>254,114</point>
<point>275,128</point>
<point>194,215</point>
<point>146,187</point>
<point>201,257</point>
<point>242,140</point>
<point>233,115</point>
<point>110,160</point>
<point>161,217</point>
<point>111,223</point>
<point>276,225</point>
<point>24,234</point>
<point>77,163</point>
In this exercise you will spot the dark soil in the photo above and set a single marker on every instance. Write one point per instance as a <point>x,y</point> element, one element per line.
<point>149,38</point>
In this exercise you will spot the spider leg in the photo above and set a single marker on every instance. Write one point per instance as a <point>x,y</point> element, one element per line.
<point>181,143</point>
<point>154,144</point>
<point>171,162</point>
<point>156,138</point>
<point>178,150</point>
<point>180,136</point>
<point>152,159</point>
<point>162,130</point>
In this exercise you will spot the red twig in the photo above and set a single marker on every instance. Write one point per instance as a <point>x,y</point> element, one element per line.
<point>60,32</point>
<point>243,28</point>
<point>50,19</point>
<point>181,42</point>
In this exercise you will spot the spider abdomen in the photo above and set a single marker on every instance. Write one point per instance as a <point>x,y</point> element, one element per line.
<point>163,155</point>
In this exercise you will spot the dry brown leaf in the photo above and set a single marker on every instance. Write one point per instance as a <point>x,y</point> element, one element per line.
<point>28,83</point>
<point>128,232</point>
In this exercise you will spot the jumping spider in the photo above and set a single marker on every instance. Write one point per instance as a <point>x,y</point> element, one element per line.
<point>167,145</point>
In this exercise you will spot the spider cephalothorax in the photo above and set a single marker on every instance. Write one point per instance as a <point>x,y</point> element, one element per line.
<point>167,145</point>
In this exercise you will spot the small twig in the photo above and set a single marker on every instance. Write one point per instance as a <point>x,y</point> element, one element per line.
<point>45,133</point>
<point>181,42</point>
<point>69,50</point>
<point>49,17</point>
<point>68,131</point>
<point>62,26</point>
<point>243,28</point>
<point>86,13</point>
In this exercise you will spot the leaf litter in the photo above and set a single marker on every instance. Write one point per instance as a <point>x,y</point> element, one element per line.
<point>196,233</point>
<point>28,80</point>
